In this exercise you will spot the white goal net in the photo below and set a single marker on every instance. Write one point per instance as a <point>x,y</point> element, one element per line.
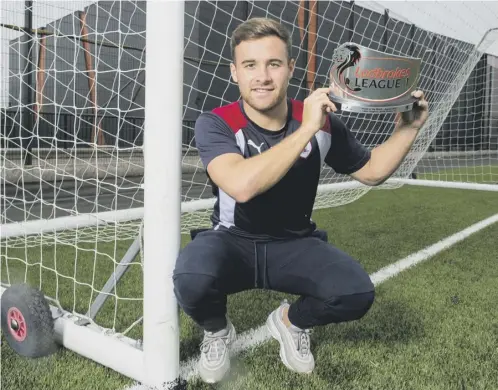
<point>72,157</point>
<point>73,114</point>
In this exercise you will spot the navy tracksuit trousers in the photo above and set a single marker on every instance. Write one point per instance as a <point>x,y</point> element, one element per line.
<point>332,286</point>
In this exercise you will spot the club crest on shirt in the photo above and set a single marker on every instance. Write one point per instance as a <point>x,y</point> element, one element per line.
<point>307,150</point>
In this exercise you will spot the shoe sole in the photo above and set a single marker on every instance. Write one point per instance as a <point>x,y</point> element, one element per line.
<point>270,324</point>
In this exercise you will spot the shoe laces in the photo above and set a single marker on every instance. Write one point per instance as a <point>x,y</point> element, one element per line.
<point>303,341</point>
<point>214,346</point>
<point>301,338</point>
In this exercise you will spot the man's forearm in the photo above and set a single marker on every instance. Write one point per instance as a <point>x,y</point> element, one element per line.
<point>261,172</point>
<point>387,157</point>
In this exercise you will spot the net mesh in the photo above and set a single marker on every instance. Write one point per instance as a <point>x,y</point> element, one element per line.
<point>73,109</point>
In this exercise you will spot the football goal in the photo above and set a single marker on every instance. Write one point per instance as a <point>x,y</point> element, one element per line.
<point>101,180</point>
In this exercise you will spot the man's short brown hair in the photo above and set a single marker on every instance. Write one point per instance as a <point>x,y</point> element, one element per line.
<point>256,28</point>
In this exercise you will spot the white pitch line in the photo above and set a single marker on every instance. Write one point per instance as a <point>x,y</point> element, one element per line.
<point>394,269</point>
<point>254,337</point>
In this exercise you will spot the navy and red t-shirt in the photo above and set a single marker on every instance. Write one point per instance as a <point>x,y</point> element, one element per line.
<point>283,211</point>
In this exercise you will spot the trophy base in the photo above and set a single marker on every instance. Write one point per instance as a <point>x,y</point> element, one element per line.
<point>373,108</point>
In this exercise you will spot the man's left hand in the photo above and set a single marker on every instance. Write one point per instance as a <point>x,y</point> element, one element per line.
<point>419,114</point>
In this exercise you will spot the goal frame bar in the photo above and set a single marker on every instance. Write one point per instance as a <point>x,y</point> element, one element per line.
<point>162,197</point>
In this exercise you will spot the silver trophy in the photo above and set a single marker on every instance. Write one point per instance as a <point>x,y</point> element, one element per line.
<point>369,81</point>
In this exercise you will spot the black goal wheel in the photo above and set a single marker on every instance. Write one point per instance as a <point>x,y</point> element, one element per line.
<point>27,322</point>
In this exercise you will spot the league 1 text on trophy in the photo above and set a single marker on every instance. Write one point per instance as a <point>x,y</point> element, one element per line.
<point>364,80</point>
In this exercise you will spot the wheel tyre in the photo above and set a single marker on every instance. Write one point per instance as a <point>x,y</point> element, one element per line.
<point>27,322</point>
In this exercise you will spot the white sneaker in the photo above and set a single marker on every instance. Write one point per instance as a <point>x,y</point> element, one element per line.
<point>295,343</point>
<point>214,362</point>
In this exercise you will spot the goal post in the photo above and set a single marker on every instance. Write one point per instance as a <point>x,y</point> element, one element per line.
<point>162,181</point>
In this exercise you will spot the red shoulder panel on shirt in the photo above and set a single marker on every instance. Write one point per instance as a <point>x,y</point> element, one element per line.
<point>232,115</point>
<point>297,114</point>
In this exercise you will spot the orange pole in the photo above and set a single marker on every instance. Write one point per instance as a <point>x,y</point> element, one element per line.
<point>40,76</point>
<point>91,80</point>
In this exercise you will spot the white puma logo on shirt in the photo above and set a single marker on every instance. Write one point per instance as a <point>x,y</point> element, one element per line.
<point>258,148</point>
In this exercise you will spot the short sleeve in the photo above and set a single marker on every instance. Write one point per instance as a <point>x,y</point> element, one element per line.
<point>346,154</point>
<point>213,137</point>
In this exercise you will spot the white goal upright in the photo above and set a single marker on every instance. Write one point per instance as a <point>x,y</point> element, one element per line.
<point>100,175</point>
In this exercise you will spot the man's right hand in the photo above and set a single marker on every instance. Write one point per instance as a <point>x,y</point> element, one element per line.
<point>316,108</point>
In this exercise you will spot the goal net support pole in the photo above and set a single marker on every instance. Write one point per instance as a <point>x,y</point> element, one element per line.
<point>162,179</point>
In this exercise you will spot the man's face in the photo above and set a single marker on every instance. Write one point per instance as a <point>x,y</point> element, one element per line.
<point>262,71</point>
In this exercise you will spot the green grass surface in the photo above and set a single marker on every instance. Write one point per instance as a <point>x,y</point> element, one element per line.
<point>432,327</point>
